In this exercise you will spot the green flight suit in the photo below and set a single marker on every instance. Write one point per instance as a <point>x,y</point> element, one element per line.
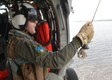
<point>31,57</point>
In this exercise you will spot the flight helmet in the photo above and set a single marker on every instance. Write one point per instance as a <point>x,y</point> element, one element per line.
<point>22,13</point>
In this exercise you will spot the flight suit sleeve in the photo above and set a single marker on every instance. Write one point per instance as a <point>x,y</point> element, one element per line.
<point>59,58</point>
<point>33,52</point>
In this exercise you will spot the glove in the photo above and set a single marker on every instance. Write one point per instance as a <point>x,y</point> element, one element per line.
<point>86,33</point>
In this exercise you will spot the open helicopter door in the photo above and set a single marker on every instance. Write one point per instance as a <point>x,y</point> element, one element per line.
<point>61,13</point>
<point>57,18</point>
<point>56,14</point>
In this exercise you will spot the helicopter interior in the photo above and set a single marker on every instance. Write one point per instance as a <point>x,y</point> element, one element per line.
<point>54,12</point>
<point>53,16</point>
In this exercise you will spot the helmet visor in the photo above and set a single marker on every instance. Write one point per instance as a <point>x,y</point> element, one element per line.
<point>32,15</point>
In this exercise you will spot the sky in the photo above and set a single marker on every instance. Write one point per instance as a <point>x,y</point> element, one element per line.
<point>85,10</point>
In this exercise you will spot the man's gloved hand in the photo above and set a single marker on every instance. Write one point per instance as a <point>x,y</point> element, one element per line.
<point>86,33</point>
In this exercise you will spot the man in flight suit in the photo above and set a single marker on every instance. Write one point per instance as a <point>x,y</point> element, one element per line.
<point>27,57</point>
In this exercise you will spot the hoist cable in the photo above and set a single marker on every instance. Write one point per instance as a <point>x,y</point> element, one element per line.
<point>96,11</point>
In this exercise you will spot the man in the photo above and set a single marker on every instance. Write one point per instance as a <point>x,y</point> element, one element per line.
<point>27,57</point>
